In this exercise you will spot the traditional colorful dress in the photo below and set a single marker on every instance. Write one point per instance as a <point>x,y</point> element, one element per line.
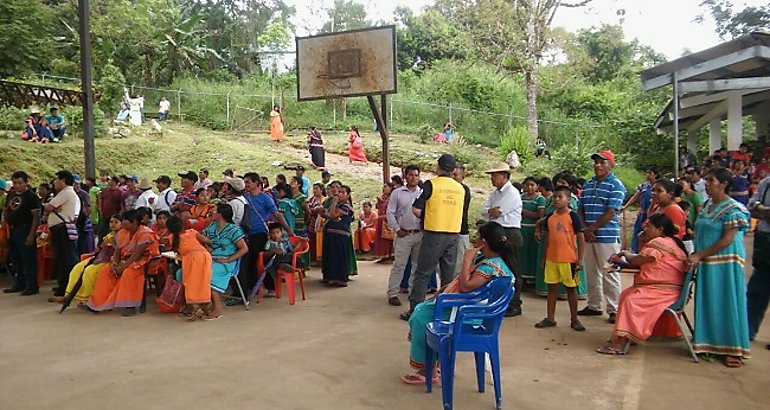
<point>196,268</point>
<point>223,245</point>
<point>656,286</point>
<point>645,195</point>
<point>383,235</point>
<point>541,288</point>
<point>356,150</point>
<point>126,291</point>
<point>364,236</point>
<point>276,126</point>
<point>300,226</point>
<point>290,210</point>
<point>200,216</point>
<point>90,269</point>
<point>739,188</point>
<point>425,311</point>
<point>528,257</point>
<point>315,145</point>
<point>337,246</point>
<point>315,229</point>
<point>675,213</point>
<point>721,323</point>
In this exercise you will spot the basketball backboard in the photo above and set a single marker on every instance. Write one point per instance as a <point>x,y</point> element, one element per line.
<point>347,64</point>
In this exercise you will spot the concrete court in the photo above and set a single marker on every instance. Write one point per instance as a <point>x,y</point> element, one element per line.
<point>340,349</point>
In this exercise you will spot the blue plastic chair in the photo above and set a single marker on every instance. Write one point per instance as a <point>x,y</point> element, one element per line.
<point>677,311</point>
<point>475,328</point>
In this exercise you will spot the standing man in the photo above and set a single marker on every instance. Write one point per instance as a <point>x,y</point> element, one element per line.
<point>699,184</point>
<point>600,201</point>
<point>62,209</point>
<point>407,227</point>
<point>166,196</point>
<point>758,289</point>
<point>22,216</point>
<point>147,198</point>
<point>203,180</point>
<point>111,200</point>
<point>440,208</point>
<point>85,242</point>
<point>463,241</point>
<point>165,107</point>
<point>504,206</point>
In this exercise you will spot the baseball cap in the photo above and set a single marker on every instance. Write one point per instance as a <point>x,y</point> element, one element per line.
<point>192,176</point>
<point>133,178</point>
<point>76,178</point>
<point>237,183</point>
<point>447,162</point>
<point>604,155</point>
<point>325,174</point>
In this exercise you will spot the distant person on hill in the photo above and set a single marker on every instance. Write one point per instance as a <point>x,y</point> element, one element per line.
<point>36,129</point>
<point>356,151</point>
<point>315,144</point>
<point>276,124</point>
<point>446,134</point>
<point>165,108</point>
<point>540,149</point>
<point>56,124</point>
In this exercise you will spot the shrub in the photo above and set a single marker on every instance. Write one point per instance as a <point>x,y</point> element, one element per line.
<point>467,155</point>
<point>516,139</point>
<point>630,177</point>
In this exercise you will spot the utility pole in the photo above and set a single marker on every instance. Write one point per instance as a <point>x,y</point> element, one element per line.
<point>88,94</point>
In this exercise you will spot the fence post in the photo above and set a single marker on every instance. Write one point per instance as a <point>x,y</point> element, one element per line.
<point>228,109</point>
<point>179,104</point>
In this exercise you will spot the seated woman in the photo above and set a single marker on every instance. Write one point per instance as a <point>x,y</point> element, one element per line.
<point>89,268</point>
<point>161,231</point>
<point>36,129</point>
<point>200,213</point>
<point>195,271</point>
<point>121,283</point>
<point>662,263</point>
<point>227,243</point>
<point>492,257</point>
<point>365,234</point>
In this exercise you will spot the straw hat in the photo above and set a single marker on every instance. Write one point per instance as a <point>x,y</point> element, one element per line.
<point>499,167</point>
<point>145,183</point>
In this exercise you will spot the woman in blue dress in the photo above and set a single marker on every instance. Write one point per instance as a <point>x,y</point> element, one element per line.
<point>227,243</point>
<point>721,322</point>
<point>491,257</point>
<point>644,196</point>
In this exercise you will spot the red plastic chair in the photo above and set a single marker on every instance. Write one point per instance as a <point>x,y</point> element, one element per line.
<point>301,246</point>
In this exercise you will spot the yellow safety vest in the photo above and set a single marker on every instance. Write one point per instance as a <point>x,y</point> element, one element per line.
<point>444,209</point>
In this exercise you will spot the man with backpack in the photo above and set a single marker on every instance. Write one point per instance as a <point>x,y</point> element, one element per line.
<point>166,196</point>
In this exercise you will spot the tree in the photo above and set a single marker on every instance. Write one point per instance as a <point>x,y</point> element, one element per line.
<point>345,15</point>
<point>425,39</point>
<point>112,83</point>
<point>607,53</point>
<point>25,44</point>
<point>731,23</point>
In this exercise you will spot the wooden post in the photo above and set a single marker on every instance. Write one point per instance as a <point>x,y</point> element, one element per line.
<point>382,127</point>
<point>89,149</point>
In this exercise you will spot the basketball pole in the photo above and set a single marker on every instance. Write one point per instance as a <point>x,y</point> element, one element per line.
<point>379,118</point>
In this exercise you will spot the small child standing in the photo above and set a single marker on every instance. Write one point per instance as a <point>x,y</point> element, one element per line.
<point>563,257</point>
<point>277,254</point>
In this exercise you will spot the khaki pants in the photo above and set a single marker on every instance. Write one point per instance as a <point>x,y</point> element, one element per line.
<point>601,283</point>
<point>403,248</point>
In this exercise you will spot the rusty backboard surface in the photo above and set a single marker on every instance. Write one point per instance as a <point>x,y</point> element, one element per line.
<point>346,64</point>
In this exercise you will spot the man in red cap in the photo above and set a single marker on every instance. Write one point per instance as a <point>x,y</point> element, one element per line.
<point>600,202</point>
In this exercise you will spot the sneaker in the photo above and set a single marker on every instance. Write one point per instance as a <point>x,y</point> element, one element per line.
<point>587,311</point>
<point>612,318</point>
<point>12,290</point>
<point>29,292</point>
<point>56,140</point>
<point>394,301</point>
<point>577,326</point>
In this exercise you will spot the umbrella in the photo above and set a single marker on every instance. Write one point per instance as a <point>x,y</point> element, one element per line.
<point>68,299</point>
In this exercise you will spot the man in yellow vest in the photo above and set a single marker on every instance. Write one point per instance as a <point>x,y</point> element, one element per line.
<point>440,207</point>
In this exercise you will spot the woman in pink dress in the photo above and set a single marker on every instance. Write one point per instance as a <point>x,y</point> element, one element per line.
<point>276,124</point>
<point>662,266</point>
<point>356,150</point>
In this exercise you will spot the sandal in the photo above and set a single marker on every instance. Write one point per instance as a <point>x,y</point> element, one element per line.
<point>198,313</point>
<point>733,361</point>
<point>545,323</point>
<point>417,379</point>
<point>213,317</point>
<point>577,326</point>
<point>609,350</point>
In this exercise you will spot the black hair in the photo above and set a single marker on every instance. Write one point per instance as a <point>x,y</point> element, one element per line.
<point>667,184</point>
<point>132,215</point>
<point>737,160</point>
<point>411,167</point>
<point>662,221</point>
<point>494,235</point>
<point>20,175</point>
<point>517,186</point>
<point>163,212</point>
<point>298,180</point>
<point>226,211</point>
<point>580,183</point>
<point>684,205</point>
<point>546,184</point>
<point>281,177</point>
<point>654,171</point>
<point>396,180</point>
<point>367,203</point>
<point>66,176</point>
<point>724,176</point>
<point>336,182</point>
<point>528,179</point>
<point>568,178</point>
<point>347,190</point>
<point>323,188</point>
<point>200,190</point>
<point>253,176</point>
<point>114,179</point>
<point>46,186</point>
<point>283,187</point>
<point>144,211</point>
<point>562,188</point>
<point>216,186</point>
<point>91,180</point>
<point>688,182</point>
<point>119,217</point>
<point>273,226</point>
<point>175,225</point>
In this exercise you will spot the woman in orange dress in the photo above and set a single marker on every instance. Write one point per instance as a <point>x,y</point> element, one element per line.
<point>356,151</point>
<point>364,235</point>
<point>120,284</point>
<point>200,213</point>
<point>276,124</point>
<point>662,264</point>
<point>195,271</point>
<point>663,202</point>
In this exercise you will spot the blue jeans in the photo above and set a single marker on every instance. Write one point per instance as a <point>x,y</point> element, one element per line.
<point>757,298</point>
<point>23,258</point>
<point>59,133</point>
<point>163,116</point>
<point>432,282</point>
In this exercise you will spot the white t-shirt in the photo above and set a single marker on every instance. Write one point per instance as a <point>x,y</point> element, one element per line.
<point>144,199</point>
<point>164,201</point>
<point>165,106</point>
<point>69,202</point>
<point>238,204</point>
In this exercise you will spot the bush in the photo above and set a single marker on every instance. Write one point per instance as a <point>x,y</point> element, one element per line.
<point>575,159</point>
<point>467,155</point>
<point>12,118</point>
<point>516,139</point>
<point>630,178</point>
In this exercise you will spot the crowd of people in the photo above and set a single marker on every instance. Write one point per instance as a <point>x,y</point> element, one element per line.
<point>559,236</point>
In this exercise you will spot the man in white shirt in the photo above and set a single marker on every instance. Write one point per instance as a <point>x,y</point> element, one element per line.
<point>504,206</point>
<point>165,107</point>
<point>147,198</point>
<point>167,196</point>
<point>699,184</point>
<point>234,196</point>
<point>62,209</point>
<point>408,233</point>
<point>203,180</point>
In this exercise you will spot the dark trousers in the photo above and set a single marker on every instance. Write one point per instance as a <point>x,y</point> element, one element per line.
<point>23,258</point>
<point>103,227</point>
<point>432,282</point>
<point>248,274</point>
<point>64,256</point>
<point>757,298</point>
<point>517,242</point>
<point>436,248</point>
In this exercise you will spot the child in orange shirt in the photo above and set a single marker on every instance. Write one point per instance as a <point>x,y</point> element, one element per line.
<point>563,257</point>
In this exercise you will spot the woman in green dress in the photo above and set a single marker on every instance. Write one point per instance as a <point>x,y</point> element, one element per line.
<point>533,209</point>
<point>721,318</point>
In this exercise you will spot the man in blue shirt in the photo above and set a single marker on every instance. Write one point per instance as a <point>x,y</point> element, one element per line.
<point>600,202</point>
<point>56,124</point>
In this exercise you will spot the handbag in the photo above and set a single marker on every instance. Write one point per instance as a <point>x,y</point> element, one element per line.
<point>171,292</point>
<point>387,232</point>
<point>72,228</point>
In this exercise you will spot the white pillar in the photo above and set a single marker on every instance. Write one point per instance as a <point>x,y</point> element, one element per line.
<point>734,121</point>
<point>715,135</point>
<point>692,142</point>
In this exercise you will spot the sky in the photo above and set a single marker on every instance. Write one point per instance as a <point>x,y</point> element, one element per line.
<point>666,25</point>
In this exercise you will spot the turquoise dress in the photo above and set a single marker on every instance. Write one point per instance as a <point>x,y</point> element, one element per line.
<point>541,289</point>
<point>721,322</point>
<point>223,246</point>
<point>528,257</point>
<point>425,311</point>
